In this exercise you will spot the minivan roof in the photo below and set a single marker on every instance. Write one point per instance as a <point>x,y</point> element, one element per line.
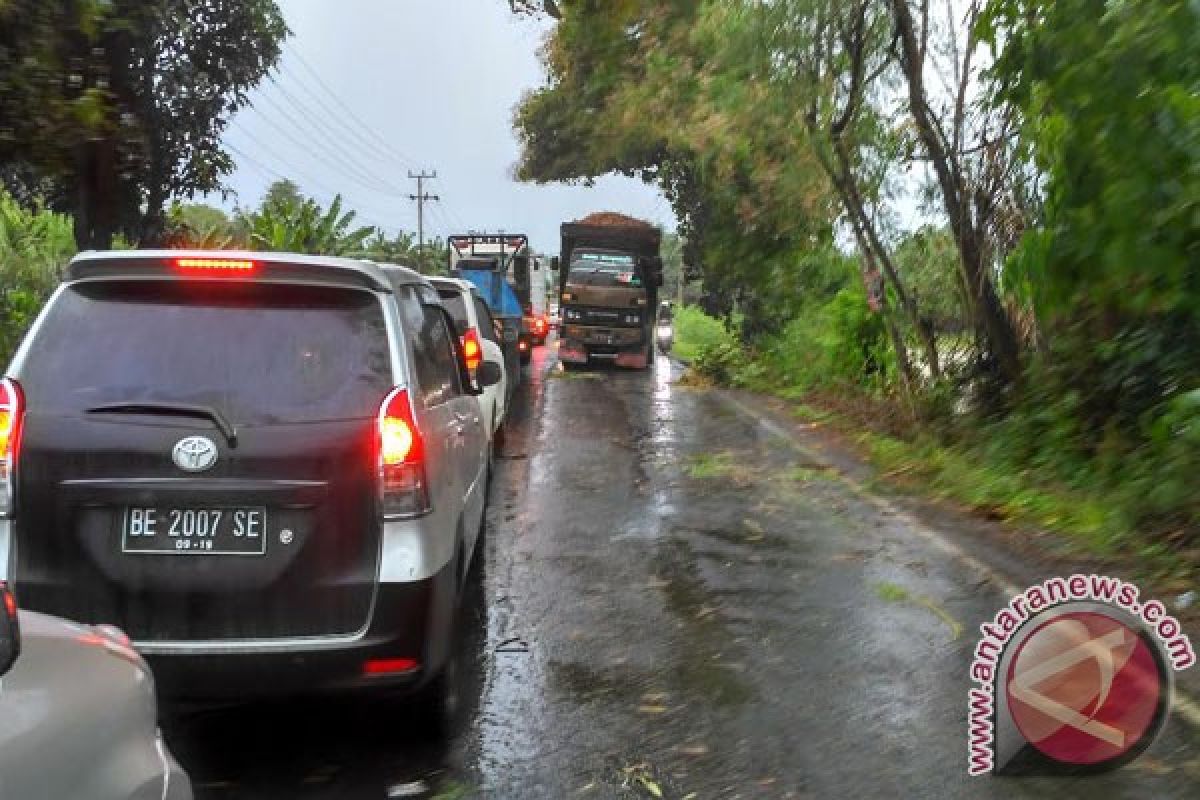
<point>402,274</point>
<point>456,283</point>
<point>300,267</point>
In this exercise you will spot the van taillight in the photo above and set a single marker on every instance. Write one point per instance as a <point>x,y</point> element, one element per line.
<point>12,410</point>
<point>401,459</point>
<point>472,349</point>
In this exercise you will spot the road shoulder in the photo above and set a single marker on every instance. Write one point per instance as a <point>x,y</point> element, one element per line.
<point>1007,556</point>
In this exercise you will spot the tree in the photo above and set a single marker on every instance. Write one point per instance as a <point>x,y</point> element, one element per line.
<point>967,157</point>
<point>666,91</point>
<point>285,224</point>
<point>199,226</point>
<point>122,104</point>
<point>282,193</point>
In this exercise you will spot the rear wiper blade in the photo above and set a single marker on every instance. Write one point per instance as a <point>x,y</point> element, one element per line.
<point>173,410</point>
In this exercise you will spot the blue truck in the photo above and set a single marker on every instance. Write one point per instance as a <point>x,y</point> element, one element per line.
<point>498,265</point>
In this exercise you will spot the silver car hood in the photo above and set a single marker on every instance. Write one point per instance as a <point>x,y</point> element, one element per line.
<point>78,719</point>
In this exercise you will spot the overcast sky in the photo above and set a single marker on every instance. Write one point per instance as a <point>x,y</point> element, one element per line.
<point>408,85</point>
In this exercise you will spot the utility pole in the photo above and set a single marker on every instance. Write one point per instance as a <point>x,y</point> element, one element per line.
<point>422,197</point>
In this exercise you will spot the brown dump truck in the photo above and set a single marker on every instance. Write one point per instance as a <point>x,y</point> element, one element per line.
<point>609,273</point>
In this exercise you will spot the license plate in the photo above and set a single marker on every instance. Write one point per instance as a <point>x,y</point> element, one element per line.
<point>236,531</point>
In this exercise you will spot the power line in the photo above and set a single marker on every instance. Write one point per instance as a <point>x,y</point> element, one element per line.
<point>308,178</point>
<point>335,141</point>
<point>342,167</point>
<point>383,143</point>
<point>333,122</point>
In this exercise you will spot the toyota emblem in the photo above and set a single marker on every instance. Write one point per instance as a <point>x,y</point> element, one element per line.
<point>194,454</point>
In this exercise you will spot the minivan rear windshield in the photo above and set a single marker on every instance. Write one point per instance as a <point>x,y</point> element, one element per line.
<point>259,353</point>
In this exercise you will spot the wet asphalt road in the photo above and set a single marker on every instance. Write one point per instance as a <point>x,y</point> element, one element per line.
<point>672,598</point>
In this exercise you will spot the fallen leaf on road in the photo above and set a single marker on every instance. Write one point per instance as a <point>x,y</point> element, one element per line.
<point>585,789</point>
<point>1153,766</point>
<point>413,789</point>
<point>707,611</point>
<point>652,709</point>
<point>694,749</point>
<point>651,787</point>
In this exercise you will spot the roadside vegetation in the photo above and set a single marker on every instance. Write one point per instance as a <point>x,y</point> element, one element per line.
<point>968,228</point>
<point>36,243</point>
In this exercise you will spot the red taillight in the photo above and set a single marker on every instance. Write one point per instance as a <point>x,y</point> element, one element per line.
<point>401,459</point>
<point>10,601</point>
<point>12,410</point>
<point>472,349</point>
<point>390,666</point>
<point>539,325</point>
<point>215,265</point>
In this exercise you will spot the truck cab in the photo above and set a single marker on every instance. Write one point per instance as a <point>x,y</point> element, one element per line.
<point>609,275</point>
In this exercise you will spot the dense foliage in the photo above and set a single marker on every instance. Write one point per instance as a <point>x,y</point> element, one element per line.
<point>34,246</point>
<point>983,213</point>
<point>36,243</point>
<point>111,109</point>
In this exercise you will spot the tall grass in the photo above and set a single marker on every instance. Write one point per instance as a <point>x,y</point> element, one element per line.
<point>696,332</point>
<point>34,247</point>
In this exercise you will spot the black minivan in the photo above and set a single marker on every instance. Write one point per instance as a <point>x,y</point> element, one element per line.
<point>269,470</point>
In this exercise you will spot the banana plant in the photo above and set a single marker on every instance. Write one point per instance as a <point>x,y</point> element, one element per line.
<point>302,226</point>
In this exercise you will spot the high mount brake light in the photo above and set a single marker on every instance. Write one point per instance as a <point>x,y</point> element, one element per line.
<point>12,410</point>
<point>472,349</point>
<point>215,265</point>
<point>401,459</point>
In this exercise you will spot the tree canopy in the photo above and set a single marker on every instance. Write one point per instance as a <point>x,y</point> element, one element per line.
<point>120,106</point>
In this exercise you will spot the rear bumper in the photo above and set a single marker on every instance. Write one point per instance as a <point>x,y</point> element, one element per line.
<point>626,347</point>
<point>410,621</point>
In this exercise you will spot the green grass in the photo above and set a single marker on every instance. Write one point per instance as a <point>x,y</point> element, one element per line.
<point>997,490</point>
<point>695,330</point>
<point>894,593</point>
<point>710,465</point>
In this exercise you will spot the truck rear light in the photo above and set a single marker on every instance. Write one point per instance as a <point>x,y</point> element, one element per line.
<point>401,459</point>
<point>540,325</point>
<point>472,349</point>
<point>12,411</point>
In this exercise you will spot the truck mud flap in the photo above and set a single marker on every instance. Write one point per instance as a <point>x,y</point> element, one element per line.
<point>638,360</point>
